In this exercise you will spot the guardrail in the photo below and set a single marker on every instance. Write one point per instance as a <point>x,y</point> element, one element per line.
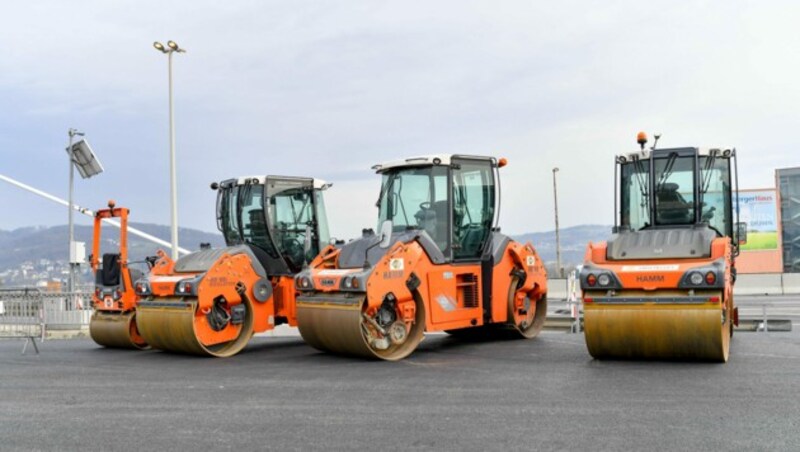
<point>30,313</point>
<point>22,316</point>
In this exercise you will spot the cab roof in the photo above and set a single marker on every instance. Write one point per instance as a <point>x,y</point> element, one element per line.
<point>426,160</point>
<point>319,184</point>
<point>645,153</point>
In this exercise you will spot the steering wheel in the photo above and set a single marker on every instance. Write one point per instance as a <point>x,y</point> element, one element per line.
<point>425,205</point>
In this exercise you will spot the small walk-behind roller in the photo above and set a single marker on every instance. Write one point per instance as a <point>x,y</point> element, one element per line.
<point>113,323</point>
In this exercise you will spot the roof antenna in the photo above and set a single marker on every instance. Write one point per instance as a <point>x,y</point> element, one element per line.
<point>656,136</point>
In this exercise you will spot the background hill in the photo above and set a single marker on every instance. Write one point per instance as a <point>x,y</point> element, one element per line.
<point>573,243</point>
<point>32,244</point>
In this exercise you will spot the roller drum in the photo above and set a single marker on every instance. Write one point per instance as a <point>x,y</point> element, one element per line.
<point>654,331</point>
<point>169,325</point>
<point>116,330</point>
<point>334,323</point>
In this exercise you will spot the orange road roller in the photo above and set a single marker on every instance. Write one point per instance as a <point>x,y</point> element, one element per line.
<point>113,323</point>
<point>212,301</point>
<point>662,286</point>
<point>438,263</point>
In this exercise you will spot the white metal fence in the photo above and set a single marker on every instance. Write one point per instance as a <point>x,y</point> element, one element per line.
<point>28,313</point>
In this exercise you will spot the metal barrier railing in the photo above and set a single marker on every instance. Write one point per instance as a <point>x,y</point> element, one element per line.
<point>30,313</point>
<point>22,316</point>
<point>67,310</point>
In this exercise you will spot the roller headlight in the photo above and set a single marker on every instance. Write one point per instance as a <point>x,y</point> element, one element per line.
<point>696,278</point>
<point>604,280</point>
<point>142,288</point>
<point>348,282</point>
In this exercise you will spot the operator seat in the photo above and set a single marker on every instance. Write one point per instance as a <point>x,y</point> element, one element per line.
<point>109,276</point>
<point>672,207</point>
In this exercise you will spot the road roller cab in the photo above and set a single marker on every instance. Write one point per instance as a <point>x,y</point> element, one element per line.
<point>438,262</point>
<point>211,302</point>
<point>662,286</point>
<point>113,322</point>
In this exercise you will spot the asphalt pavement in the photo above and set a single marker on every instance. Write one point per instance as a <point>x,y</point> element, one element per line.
<point>541,394</point>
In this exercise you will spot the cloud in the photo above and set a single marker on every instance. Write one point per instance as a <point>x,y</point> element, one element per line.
<point>328,89</point>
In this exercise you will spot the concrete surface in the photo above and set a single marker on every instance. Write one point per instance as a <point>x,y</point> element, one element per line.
<point>791,283</point>
<point>542,394</point>
<point>759,284</point>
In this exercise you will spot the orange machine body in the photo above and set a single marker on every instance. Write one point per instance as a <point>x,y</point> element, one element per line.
<point>439,263</point>
<point>212,301</point>
<point>662,286</point>
<point>121,298</point>
<point>451,294</point>
<point>233,278</point>
<point>113,323</point>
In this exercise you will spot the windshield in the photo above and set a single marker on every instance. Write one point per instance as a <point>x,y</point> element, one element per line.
<point>473,207</point>
<point>634,194</point>
<point>674,189</point>
<point>673,185</point>
<point>715,194</point>
<point>417,198</point>
<point>240,217</point>
<point>292,220</point>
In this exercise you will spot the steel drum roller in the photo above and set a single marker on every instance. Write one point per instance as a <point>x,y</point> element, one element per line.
<point>169,325</point>
<point>116,330</point>
<point>334,323</point>
<point>649,331</point>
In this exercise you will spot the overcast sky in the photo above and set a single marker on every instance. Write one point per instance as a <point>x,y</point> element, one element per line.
<point>328,89</point>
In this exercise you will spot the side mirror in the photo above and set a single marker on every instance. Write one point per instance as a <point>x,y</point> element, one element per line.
<point>741,233</point>
<point>386,234</point>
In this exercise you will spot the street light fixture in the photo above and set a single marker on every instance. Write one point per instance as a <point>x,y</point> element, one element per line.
<point>172,47</point>
<point>80,156</point>
<point>559,270</point>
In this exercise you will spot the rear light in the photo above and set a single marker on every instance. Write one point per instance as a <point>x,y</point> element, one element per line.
<point>588,300</point>
<point>304,282</point>
<point>142,288</point>
<point>591,280</point>
<point>714,299</point>
<point>97,292</point>
<point>185,287</point>
<point>355,283</point>
<point>711,278</point>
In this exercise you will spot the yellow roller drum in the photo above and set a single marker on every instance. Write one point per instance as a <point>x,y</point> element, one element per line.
<point>170,325</point>
<point>334,323</point>
<point>117,330</point>
<point>657,330</point>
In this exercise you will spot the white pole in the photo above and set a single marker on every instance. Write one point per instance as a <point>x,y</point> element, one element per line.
<point>89,213</point>
<point>559,270</point>
<point>71,276</point>
<point>173,182</point>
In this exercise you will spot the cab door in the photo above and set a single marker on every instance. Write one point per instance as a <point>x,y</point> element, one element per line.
<point>456,289</point>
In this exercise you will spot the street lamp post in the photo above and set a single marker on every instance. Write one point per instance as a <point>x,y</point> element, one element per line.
<point>71,277</point>
<point>171,48</point>
<point>81,157</point>
<point>559,270</point>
